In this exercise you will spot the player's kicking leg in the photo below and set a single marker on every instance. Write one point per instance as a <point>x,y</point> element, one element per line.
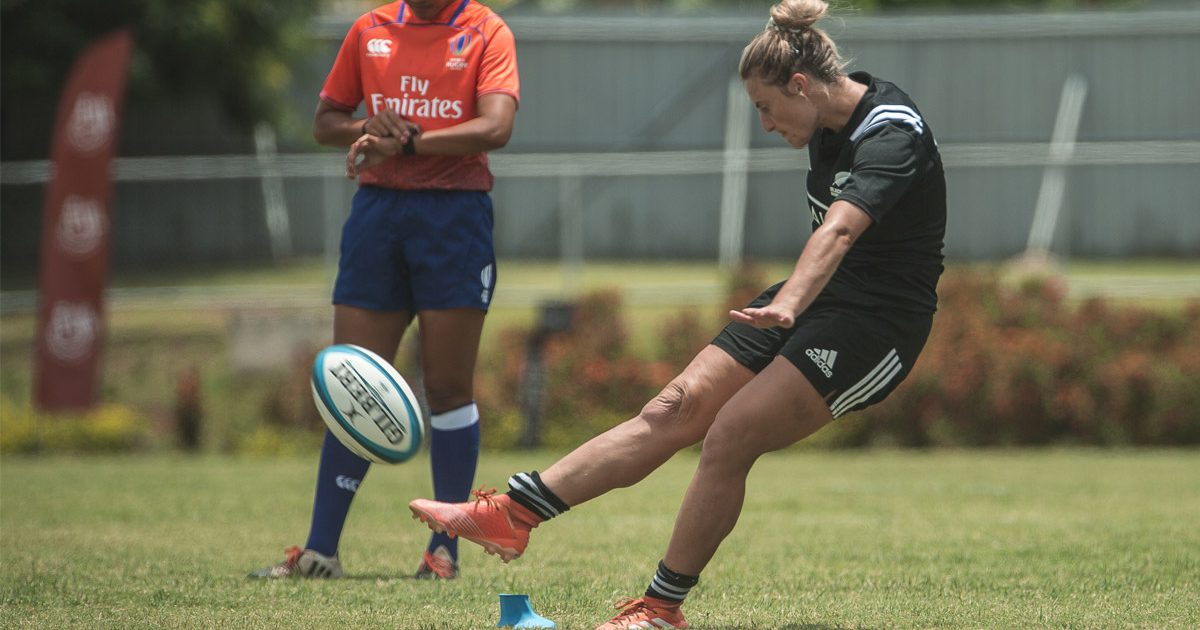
<point>678,417</point>
<point>775,410</point>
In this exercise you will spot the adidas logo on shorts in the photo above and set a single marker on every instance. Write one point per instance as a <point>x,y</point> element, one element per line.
<point>824,360</point>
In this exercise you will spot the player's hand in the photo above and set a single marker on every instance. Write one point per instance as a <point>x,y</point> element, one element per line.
<point>389,124</point>
<point>767,316</point>
<point>369,151</point>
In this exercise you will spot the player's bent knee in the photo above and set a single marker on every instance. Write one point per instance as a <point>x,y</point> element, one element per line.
<point>726,446</point>
<point>675,409</point>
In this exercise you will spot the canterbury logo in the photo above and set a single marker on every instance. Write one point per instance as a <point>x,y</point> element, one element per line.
<point>824,360</point>
<point>347,483</point>
<point>379,48</point>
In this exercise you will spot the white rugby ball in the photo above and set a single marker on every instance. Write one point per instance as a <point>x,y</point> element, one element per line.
<point>366,404</point>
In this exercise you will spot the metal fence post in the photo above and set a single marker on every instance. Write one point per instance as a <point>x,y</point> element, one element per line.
<point>1054,178</point>
<point>734,175</point>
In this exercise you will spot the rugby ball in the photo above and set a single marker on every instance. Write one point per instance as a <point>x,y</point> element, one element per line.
<point>366,403</point>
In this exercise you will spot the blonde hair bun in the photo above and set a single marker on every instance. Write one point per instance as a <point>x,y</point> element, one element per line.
<point>796,15</point>
<point>790,43</point>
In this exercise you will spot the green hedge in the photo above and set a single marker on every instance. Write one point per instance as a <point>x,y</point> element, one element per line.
<point>1022,366</point>
<point>1004,366</point>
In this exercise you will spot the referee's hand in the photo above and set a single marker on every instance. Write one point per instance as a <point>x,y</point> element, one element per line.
<point>368,151</point>
<point>768,316</point>
<point>389,124</point>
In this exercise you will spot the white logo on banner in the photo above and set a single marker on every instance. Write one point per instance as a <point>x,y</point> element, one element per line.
<point>72,330</point>
<point>92,121</point>
<point>81,226</point>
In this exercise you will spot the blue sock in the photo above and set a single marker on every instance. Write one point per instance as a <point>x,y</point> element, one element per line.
<point>338,477</point>
<point>453,451</point>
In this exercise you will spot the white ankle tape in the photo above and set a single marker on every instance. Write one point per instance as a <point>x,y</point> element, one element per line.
<point>460,418</point>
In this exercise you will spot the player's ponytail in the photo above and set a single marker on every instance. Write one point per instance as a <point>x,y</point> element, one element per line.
<point>790,44</point>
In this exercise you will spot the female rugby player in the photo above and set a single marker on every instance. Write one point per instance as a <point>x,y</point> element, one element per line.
<point>837,336</point>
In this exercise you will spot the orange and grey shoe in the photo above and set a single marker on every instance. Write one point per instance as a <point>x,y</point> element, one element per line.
<point>304,563</point>
<point>646,613</point>
<point>497,523</point>
<point>439,565</point>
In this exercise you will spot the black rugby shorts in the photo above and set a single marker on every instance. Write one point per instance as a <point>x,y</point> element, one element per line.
<point>854,356</point>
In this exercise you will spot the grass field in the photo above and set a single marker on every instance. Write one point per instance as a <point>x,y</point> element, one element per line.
<point>876,539</point>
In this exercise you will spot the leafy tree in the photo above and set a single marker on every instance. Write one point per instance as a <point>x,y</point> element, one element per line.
<point>236,51</point>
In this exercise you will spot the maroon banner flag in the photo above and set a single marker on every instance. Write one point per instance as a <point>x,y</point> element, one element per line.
<point>75,227</point>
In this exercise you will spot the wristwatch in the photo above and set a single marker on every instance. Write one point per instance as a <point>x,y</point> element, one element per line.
<point>409,148</point>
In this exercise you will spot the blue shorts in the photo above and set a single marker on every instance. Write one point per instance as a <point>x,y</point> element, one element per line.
<point>410,250</point>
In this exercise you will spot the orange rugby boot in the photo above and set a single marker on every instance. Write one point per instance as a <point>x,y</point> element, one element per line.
<point>646,613</point>
<point>495,522</point>
<point>439,565</point>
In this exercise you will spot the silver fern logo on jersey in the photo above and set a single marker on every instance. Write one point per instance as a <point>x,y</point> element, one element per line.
<point>839,182</point>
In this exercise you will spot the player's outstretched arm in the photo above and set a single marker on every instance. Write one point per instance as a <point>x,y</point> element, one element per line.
<point>844,223</point>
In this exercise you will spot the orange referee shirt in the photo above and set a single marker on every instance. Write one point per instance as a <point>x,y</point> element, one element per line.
<point>430,72</point>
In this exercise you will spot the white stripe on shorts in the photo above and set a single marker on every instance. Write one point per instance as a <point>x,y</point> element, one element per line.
<point>875,380</point>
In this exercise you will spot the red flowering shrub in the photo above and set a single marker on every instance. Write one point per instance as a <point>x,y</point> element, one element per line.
<point>590,379</point>
<point>1020,366</point>
<point>1004,365</point>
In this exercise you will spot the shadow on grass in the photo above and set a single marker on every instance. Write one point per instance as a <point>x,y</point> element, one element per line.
<point>380,577</point>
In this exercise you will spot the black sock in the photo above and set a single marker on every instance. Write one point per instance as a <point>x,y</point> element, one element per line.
<point>670,585</point>
<point>528,490</point>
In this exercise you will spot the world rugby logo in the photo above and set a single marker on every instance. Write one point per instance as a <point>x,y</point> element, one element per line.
<point>81,226</point>
<point>72,331</point>
<point>91,123</point>
<point>379,48</point>
<point>459,44</point>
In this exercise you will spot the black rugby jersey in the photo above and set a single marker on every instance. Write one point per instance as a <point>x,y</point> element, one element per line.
<point>886,162</point>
